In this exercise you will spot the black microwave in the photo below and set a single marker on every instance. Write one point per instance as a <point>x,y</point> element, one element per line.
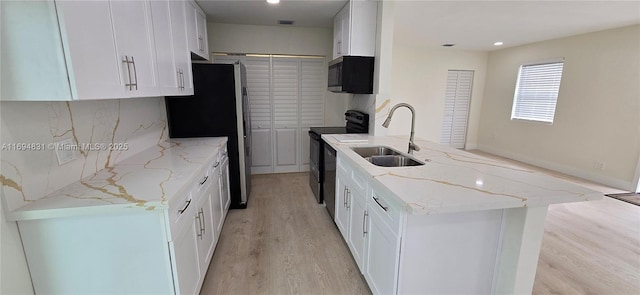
<point>351,74</point>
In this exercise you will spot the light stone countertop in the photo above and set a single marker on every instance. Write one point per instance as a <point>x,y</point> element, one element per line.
<point>457,181</point>
<point>145,181</point>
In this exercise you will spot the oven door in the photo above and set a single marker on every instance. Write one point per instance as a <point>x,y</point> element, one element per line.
<point>315,180</point>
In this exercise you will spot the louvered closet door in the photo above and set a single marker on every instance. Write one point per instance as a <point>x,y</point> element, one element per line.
<point>456,108</point>
<point>259,90</point>
<point>312,88</point>
<point>285,114</point>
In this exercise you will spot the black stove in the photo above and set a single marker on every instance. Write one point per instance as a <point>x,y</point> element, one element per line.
<point>323,158</point>
<point>328,130</point>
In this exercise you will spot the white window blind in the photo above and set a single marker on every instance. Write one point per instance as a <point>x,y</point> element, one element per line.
<point>537,91</point>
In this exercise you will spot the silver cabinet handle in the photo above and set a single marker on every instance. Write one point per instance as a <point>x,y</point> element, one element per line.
<point>348,199</point>
<point>204,224</point>
<point>185,207</point>
<point>378,202</point>
<point>216,164</point>
<point>364,223</point>
<point>126,61</point>
<point>182,78</point>
<point>345,196</point>
<point>199,233</point>
<point>204,180</point>
<point>178,76</point>
<point>135,73</point>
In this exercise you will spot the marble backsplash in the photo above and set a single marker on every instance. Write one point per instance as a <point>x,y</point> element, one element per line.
<point>101,133</point>
<point>377,106</point>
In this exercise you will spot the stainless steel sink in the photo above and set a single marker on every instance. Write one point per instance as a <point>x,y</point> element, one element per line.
<point>393,161</point>
<point>369,151</point>
<point>385,156</point>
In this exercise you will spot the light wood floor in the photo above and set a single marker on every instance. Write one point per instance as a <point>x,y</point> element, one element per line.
<point>285,243</point>
<point>588,247</point>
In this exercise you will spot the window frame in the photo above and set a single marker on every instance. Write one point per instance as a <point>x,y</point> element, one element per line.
<point>517,100</point>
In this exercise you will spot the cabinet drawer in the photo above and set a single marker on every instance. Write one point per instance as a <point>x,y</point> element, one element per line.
<point>359,182</point>
<point>202,181</point>
<point>181,213</point>
<point>389,211</point>
<point>215,163</point>
<point>341,166</point>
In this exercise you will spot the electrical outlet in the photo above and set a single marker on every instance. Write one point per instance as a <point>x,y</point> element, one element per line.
<point>598,165</point>
<point>66,151</point>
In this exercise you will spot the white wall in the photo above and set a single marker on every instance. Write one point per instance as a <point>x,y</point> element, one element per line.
<point>30,175</point>
<point>281,40</point>
<point>598,111</point>
<point>420,78</point>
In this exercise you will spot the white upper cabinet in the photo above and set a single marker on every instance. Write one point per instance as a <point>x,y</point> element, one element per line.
<point>90,49</point>
<point>169,79</point>
<point>197,30</point>
<point>180,46</point>
<point>98,49</point>
<point>354,29</point>
<point>135,45</point>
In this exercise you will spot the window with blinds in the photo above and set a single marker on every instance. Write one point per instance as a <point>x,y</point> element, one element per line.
<point>536,92</point>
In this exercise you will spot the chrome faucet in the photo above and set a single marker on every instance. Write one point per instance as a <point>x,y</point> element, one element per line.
<point>412,145</point>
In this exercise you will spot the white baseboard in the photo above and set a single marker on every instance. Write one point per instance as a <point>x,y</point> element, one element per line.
<point>471,146</point>
<point>588,175</point>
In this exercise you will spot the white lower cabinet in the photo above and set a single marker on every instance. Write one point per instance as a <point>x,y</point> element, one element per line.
<point>342,204</point>
<point>132,251</point>
<point>185,251</point>
<point>357,226</point>
<point>382,252</point>
<point>205,236</point>
<point>364,225</point>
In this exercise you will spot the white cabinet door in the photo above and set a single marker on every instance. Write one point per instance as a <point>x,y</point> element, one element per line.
<point>217,204</point>
<point>201,28</point>
<point>382,254</point>
<point>345,19</point>
<point>186,259</point>
<point>169,78</point>
<point>192,34</point>
<point>357,230</point>
<point>93,63</point>
<point>354,29</point>
<point>337,35</point>
<point>180,45</point>
<point>43,75</point>
<point>133,33</point>
<point>206,227</point>
<point>197,30</point>
<point>225,194</point>
<point>342,206</point>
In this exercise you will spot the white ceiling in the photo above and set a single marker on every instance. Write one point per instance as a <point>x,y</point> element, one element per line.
<point>471,25</point>
<point>305,13</point>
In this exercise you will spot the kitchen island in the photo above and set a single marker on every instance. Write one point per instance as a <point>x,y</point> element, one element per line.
<point>460,223</point>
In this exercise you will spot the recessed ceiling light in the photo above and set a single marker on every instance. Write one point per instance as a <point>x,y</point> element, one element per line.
<point>498,43</point>
<point>273,1</point>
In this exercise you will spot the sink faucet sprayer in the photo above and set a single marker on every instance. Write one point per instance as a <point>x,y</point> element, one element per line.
<point>412,145</point>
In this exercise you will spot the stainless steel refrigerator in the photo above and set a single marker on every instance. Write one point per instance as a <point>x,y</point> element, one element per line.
<point>219,107</point>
